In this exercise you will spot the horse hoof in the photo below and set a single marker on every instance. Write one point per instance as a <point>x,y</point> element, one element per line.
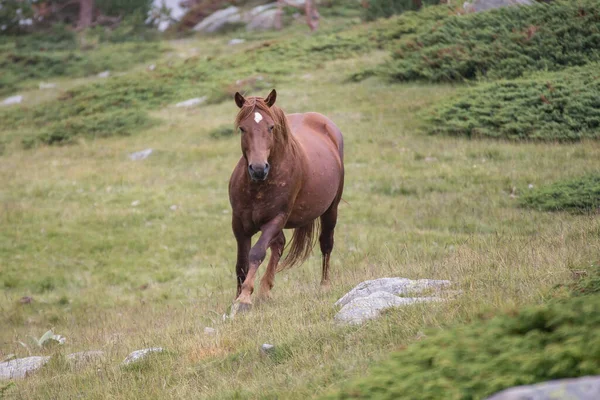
<point>239,307</point>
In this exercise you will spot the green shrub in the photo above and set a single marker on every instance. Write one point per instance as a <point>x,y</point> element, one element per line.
<point>502,43</point>
<point>374,9</point>
<point>541,343</point>
<point>575,195</point>
<point>562,106</point>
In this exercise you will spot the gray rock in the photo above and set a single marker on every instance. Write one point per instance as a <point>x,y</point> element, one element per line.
<point>21,367</point>
<point>484,5</point>
<point>361,309</point>
<point>267,348</point>
<point>139,355</point>
<point>586,388</point>
<point>82,358</point>
<point>104,74</point>
<point>140,155</point>
<point>233,42</point>
<point>218,20</point>
<point>263,21</point>
<point>12,100</point>
<point>210,331</point>
<point>394,286</point>
<point>191,102</point>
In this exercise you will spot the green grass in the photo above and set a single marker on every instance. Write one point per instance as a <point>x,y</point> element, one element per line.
<point>502,43</point>
<point>92,236</point>
<point>578,195</point>
<point>560,106</point>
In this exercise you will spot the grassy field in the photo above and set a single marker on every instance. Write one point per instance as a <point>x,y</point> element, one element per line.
<point>121,255</point>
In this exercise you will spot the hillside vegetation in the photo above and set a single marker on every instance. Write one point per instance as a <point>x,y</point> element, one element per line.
<point>561,106</point>
<point>502,43</point>
<point>258,66</point>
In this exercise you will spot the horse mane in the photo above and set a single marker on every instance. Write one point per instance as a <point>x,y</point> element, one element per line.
<point>284,139</point>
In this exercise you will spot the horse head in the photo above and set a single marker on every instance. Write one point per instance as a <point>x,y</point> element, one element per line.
<point>257,125</point>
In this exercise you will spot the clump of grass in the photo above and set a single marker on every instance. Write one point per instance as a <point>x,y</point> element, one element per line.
<point>560,106</point>
<point>536,344</point>
<point>503,43</point>
<point>575,195</point>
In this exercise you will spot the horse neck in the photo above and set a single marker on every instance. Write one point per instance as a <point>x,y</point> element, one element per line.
<point>287,149</point>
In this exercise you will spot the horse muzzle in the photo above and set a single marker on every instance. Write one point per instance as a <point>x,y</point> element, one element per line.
<point>259,172</point>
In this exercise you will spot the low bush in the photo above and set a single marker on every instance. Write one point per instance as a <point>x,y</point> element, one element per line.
<point>557,340</point>
<point>562,106</point>
<point>502,43</point>
<point>575,195</point>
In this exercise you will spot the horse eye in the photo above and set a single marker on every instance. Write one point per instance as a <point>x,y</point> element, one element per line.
<point>271,129</point>
<point>242,130</point>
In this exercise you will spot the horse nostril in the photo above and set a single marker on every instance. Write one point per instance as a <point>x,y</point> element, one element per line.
<point>267,166</point>
<point>250,168</point>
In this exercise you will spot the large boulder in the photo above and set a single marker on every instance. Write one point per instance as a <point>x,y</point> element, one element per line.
<point>395,286</point>
<point>586,388</point>
<point>484,5</point>
<point>369,298</point>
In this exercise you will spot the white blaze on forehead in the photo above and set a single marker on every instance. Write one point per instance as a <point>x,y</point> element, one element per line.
<point>257,117</point>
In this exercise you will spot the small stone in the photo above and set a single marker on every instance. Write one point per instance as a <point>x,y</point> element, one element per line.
<point>140,155</point>
<point>210,331</point>
<point>151,67</point>
<point>135,203</point>
<point>139,355</point>
<point>21,367</point>
<point>26,300</point>
<point>530,186</point>
<point>12,100</point>
<point>430,159</point>
<point>44,85</point>
<point>192,102</point>
<point>104,74</point>
<point>233,42</point>
<point>173,207</point>
<point>267,349</point>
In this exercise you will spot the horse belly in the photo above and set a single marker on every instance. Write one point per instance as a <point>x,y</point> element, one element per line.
<point>321,186</point>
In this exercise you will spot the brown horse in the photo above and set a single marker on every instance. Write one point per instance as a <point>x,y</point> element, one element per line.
<point>291,172</point>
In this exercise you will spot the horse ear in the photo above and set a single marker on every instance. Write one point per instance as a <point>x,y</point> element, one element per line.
<point>239,99</point>
<point>270,100</point>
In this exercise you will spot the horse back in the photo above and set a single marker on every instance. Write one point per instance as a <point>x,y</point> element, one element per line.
<point>310,126</point>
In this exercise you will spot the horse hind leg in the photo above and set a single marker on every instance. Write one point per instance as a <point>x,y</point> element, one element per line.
<point>268,279</point>
<point>328,222</point>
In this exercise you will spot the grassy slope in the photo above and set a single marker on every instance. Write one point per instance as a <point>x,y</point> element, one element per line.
<point>112,276</point>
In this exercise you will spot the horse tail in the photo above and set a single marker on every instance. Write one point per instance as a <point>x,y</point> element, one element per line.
<point>301,245</point>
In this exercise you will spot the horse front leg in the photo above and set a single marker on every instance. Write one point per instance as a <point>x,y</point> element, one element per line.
<point>257,254</point>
